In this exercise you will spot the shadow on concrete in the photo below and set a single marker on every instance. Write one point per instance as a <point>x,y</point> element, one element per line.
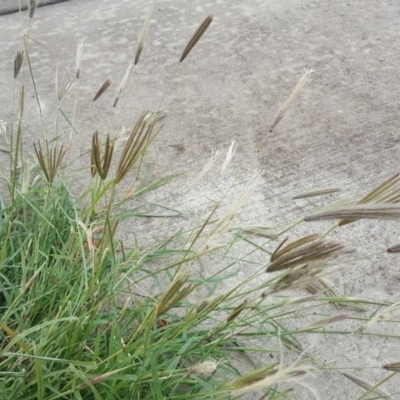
<point>10,7</point>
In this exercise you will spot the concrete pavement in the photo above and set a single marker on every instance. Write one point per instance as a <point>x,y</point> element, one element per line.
<point>343,130</point>
<point>12,6</point>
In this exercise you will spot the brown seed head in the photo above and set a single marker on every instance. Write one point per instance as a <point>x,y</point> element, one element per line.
<point>359,211</point>
<point>316,192</point>
<point>32,7</point>
<point>237,311</point>
<point>103,88</point>
<point>196,37</point>
<point>380,203</point>
<point>296,278</point>
<point>174,293</point>
<point>49,160</point>
<point>392,367</point>
<point>302,252</point>
<point>19,58</point>
<point>101,164</point>
<point>138,140</point>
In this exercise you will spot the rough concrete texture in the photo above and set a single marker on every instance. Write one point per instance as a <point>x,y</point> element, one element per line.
<point>342,132</point>
<point>12,6</point>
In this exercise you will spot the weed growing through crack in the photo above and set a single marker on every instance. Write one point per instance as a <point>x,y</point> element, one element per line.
<point>84,316</point>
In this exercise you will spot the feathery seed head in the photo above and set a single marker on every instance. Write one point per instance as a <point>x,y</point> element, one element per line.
<point>384,315</point>
<point>64,81</point>
<point>207,167</point>
<point>224,222</point>
<point>229,155</point>
<point>204,369</point>
<point>282,112</point>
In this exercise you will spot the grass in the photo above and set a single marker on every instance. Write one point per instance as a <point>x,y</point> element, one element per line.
<point>84,316</point>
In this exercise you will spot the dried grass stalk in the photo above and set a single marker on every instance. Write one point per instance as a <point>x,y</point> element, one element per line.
<point>21,101</point>
<point>259,231</point>
<point>326,321</point>
<point>324,287</point>
<point>122,85</point>
<point>64,81</point>
<point>32,7</point>
<point>196,37</point>
<point>207,167</point>
<point>224,222</point>
<point>229,156</point>
<point>366,385</point>
<point>380,203</point>
<point>296,278</point>
<point>349,214</point>
<point>385,315</point>
<point>204,369</point>
<point>266,377</point>
<point>100,378</point>
<point>387,192</point>
<point>316,192</point>
<point>19,58</point>
<point>300,84</point>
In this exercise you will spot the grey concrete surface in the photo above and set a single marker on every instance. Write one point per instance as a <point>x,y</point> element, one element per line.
<point>12,6</point>
<point>343,131</point>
